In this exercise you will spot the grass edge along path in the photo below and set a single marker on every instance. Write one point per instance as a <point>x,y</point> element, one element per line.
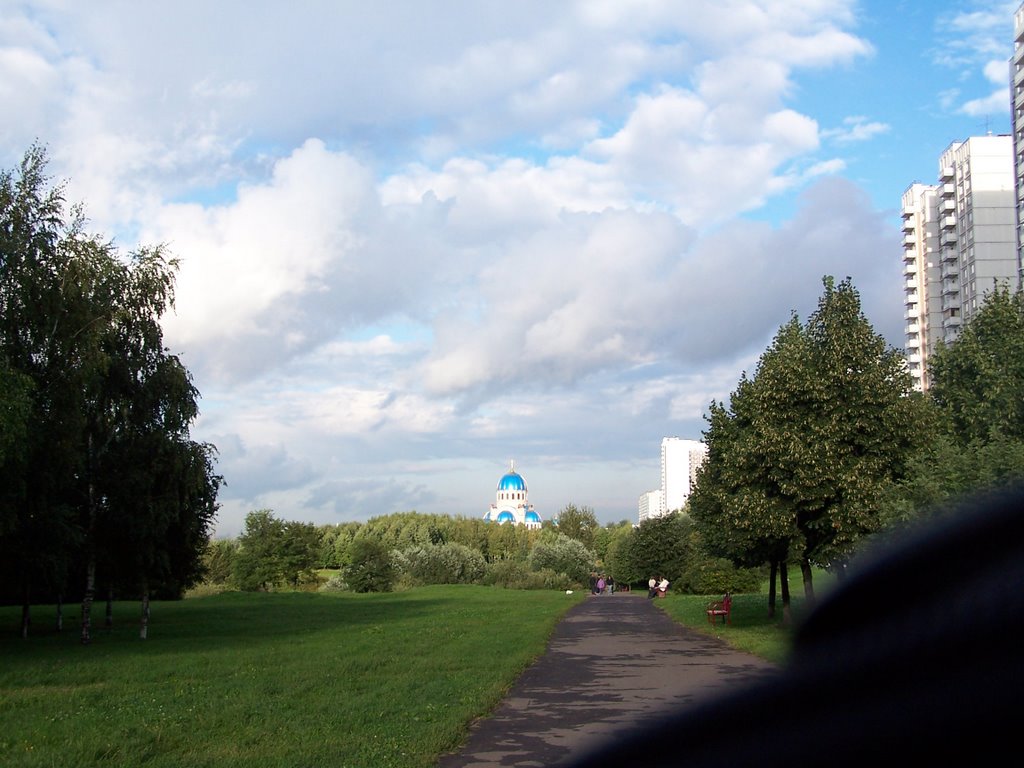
<point>284,679</point>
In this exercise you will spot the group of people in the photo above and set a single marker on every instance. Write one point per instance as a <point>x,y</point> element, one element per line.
<point>656,586</point>
<point>599,583</point>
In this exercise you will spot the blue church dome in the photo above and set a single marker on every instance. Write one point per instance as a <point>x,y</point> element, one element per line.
<point>506,517</point>
<point>512,481</point>
<point>532,517</point>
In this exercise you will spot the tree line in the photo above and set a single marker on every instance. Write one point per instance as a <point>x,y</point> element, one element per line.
<point>826,446</point>
<point>822,450</point>
<point>101,486</point>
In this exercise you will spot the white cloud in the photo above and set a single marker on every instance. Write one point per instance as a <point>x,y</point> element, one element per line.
<point>410,242</point>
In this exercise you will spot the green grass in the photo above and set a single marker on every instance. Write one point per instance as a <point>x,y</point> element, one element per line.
<point>291,679</point>
<point>750,629</point>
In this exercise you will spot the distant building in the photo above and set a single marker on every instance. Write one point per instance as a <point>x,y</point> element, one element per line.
<point>651,504</point>
<point>959,242</point>
<point>511,503</point>
<point>680,460</point>
<point>1017,122</point>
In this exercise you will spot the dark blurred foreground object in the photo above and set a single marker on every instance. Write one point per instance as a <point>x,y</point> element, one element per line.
<point>918,655</point>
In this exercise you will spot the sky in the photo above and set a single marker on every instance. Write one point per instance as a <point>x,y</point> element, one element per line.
<point>421,240</point>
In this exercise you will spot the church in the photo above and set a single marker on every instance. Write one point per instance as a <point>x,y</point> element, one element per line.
<point>511,503</point>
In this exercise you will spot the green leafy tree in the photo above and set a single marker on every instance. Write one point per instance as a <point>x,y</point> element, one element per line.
<point>219,560</point>
<point>563,555</point>
<point>978,381</point>
<point>82,351</point>
<point>578,523</point>
<point>663,547</point>
<point>800,462</point>
<point>369,566</point>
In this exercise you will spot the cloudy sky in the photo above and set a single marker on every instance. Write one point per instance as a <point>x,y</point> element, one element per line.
<point>421,239</point>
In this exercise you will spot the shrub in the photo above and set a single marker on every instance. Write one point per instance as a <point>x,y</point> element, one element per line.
<point>442,564</point>
<point>716,576</point>
<point>369,567</point>
<point>515,574</point>
<point>563,555</point>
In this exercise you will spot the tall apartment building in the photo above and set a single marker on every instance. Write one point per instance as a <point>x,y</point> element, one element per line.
<point>959,242</point>
<point>1017,123</point>
<point>680,460</point>
<point>651,504</point>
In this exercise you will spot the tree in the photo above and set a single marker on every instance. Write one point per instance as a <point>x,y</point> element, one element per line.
<point>799,463</point>
<point>107,477</point>
<point>369,567</point>
<point>563,555</point>
<point>978,381</point>
<point>973,434</point>
<point>578,523</point>
<point>257,563</point>
<point>662,547</point>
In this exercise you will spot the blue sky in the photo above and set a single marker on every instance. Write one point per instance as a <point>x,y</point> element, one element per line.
<point>419,240</point>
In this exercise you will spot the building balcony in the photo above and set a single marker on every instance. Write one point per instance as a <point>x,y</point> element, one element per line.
<point>948,237</point>
<point>948,189</point>
<point>946,172</point>
<point>910,269</point>
<point>947,222</point>
<point>948,205</point>
<point>913,313</point>
<point>909,224</point>
<point>912,329</point>
<point>912,298</point>
<point>949,302</point>
<point>911,285</point>
<point>914,358</point>
<point>910,239</point>
<point>913,342</point>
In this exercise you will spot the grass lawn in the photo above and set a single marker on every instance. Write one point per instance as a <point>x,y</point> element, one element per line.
<point>750,628</point>
<point>290,679</point>
<point>294,679</point>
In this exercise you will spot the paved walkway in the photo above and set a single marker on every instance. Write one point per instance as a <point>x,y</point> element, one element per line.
<point>612,661</point>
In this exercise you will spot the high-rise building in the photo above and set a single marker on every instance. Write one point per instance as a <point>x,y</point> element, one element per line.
<point>680,460</point>
<point>959,241</point>
<point>1017,122</point>
<point>651,504</point>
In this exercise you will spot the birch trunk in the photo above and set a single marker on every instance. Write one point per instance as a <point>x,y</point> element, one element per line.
<point>144,625</point>
<point>25,614</point>
<point>90,587</point>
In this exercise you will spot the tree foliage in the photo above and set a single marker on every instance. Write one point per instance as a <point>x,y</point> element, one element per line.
<point>579,523</point>
<point>106,484</point>
<point>799,461</point>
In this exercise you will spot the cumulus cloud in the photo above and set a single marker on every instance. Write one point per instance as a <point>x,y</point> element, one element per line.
<point>413,243</point>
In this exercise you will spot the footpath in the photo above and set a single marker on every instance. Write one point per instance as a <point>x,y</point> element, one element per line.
<point>612,662</point>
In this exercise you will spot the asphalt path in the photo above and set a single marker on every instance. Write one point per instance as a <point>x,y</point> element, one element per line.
<point>613,662</point>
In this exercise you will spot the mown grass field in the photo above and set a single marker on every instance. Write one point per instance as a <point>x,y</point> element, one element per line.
<point>290,679</point>
<point>293,679</point>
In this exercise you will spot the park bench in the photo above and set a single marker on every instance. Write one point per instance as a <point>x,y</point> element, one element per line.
<point>721,608</point>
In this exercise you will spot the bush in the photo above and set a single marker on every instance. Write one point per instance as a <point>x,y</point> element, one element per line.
<point>717,576</point>
<point>442,564</point>
<point>335,583</point>
<point>563,555</point>
<point>515,574</point>
<point>369,567</point>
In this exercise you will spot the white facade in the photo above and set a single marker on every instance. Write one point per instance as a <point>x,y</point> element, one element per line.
<point>651,504</point>
<point>1017,121</point>
<point>680,460</point>
<point>959,242</point>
